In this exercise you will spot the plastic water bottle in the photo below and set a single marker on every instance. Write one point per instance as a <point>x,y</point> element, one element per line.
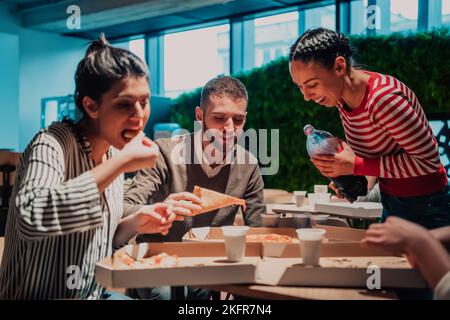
<point>320,142</point>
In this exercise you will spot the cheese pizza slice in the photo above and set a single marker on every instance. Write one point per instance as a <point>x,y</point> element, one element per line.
<point>271,237</point>
<point>212,200</point>
<point>162,260</point>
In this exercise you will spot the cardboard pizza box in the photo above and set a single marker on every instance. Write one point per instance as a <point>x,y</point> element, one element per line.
<point>356,209</point>
<point>341,271</point>
<point>204,263</point>
<point>198,264</point>
<point>333,234</point>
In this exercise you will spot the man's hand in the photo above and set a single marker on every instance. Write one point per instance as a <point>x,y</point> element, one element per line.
<point>184,203</point>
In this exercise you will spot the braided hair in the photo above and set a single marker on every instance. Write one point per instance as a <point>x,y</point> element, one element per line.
<point>321,46</point>
<point>101,67</point>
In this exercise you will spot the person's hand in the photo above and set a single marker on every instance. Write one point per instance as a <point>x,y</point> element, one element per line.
<point>139,153</point>
<point>340,164</point>
<point>184,203</point>
<point>155,218</point>
<point>333,187</point>
<point>396,234</point>
<point>411,261</point>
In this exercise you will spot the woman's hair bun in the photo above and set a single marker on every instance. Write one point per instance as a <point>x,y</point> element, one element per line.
<point>100,44</point>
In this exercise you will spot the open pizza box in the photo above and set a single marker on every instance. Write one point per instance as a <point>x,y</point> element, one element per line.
<point>341,265</point>
<point>274,247</point>
<point>355,209</point>
<point>196,264</point>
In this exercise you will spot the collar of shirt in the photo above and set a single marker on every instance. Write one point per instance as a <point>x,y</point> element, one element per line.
<point>239,156</point>
<point>205,160</point>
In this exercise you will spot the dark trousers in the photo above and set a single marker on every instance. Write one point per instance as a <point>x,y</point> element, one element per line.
<point>431,211</point>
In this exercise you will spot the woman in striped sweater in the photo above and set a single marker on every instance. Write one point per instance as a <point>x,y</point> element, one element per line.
<point>386,130</point>
<point>66,211</point>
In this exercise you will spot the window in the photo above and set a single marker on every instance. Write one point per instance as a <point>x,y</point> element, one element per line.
<point>404,15</point>
<point>137,46</point>
<point>358,17</point>
<point>321,17</point>
<point>191,58</point>
<point>446,13</point>
<point>273,36</point>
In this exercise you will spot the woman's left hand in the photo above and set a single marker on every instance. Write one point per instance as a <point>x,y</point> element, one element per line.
<point>155,218</point>
<point>340,164</point>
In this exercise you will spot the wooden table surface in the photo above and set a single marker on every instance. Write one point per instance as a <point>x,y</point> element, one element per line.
<point>265,292</point>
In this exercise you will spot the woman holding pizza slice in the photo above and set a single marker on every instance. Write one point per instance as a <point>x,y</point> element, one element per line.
<point>388,135</point>
<point>66,210</point>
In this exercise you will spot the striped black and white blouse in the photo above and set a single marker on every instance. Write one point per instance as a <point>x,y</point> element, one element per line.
<point>59,225</point>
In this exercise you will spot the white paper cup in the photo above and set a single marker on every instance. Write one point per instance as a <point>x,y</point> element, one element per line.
<point>235,242</point>
<point>310,243</point>
<point>324,197</point>
<point>319,219</point>
<point>299,197</point>
<point>318,198</point>
<point>301,220</point>
<point>320,188</point>
<point>313,198</point>
<point>270,220</point>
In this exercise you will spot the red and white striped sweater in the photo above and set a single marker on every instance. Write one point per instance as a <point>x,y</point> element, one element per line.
<point>393,140</point>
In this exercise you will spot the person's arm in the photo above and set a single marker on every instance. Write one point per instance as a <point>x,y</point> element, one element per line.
<point>401,236</point>
<point>254,200</point>
<point>443,235</point>
<point>407,126</point>
<point>144,184</point>
<point>430,257</point>
<point>156,218</point>
<point>49,205</point>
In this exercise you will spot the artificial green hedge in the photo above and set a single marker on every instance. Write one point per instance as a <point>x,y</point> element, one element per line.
<point>421,60</point>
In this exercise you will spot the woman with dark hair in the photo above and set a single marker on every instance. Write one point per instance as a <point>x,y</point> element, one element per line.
<point>66,210</point>
<point>387,133</point>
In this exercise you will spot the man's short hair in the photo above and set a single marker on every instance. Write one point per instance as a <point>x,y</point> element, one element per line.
<point>223,86</point>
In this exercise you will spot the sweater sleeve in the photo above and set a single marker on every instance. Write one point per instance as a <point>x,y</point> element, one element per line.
<point>418,153</point>
<point>442,290</point>
<point>254,200</point>
<point>47,204</point>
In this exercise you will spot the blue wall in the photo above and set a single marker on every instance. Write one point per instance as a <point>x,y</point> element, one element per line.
<point>9,91</point>
<point>39,65</point>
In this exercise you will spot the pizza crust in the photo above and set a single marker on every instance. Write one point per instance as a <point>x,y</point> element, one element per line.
<point>162,260</point>
<point>212,200</point>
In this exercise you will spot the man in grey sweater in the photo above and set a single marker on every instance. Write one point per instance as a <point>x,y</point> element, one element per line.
<point>209,158</point>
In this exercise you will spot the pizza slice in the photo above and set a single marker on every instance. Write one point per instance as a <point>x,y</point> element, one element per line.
<point>162,260</point>
<point>271,237</point>
<point>212,200</point>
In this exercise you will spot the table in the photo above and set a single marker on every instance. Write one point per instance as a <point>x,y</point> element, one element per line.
<point>292,208</point>
<point>265,292</point>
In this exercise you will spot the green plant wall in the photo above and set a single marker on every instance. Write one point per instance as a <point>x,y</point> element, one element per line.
<point>421,60</point>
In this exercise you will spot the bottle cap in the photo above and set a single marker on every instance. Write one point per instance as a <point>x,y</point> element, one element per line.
<point>308,129</point>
